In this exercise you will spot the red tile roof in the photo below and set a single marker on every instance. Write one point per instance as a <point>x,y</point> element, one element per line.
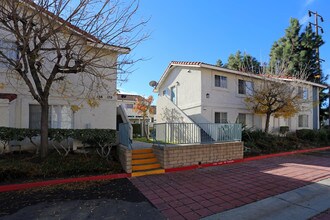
<point>211,66</point>
<point>127,97</point>
<point>187,63</point>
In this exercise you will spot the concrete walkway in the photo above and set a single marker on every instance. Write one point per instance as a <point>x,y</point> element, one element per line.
<point>204,192</point>
<point>140,145</point>
<point>301,203</point>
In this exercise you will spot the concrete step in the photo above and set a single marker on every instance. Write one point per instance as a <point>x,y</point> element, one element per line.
<point>144,161</point>
<point>145,167</point>
<point>148,172</point>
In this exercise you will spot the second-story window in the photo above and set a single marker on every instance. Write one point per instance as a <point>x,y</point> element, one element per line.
<point>303,92</point>
<point>9,50</point>
<point>245,87</point>
<point>220,81</point>
<point>173,94</point>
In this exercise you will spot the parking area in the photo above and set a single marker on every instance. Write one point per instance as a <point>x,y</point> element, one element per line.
<point>203,192</point>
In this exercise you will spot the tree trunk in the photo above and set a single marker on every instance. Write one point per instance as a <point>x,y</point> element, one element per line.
<point>267,122</point>
<point>145,133</point>
<point>44,130</point>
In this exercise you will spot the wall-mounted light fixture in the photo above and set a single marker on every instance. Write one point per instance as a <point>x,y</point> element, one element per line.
<point>207,95</point>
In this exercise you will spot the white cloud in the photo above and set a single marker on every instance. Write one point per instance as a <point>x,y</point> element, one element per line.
<point>304,19</point>
<point>124,91</point>
<point>309,2</point>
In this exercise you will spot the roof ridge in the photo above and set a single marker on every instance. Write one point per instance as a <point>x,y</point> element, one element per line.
<point>187,62</point>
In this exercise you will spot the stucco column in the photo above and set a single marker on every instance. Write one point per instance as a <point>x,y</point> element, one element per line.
<point>4,112</point>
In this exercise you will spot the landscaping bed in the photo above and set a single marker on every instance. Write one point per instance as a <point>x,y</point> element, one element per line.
<point>27,167</point>
<point>259,143</point>
<point>118,189</point>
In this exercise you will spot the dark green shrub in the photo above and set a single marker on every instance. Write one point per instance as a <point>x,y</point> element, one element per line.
<point>137,131</point>
<point>307,134</point>
<point>322,136</point>
<point>284,129</point>
<point>102,139</point>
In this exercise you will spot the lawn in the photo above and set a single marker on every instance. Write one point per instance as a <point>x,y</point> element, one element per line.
<point>143,139</point>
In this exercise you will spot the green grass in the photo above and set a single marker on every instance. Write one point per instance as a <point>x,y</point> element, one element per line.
<point>143,139</point>
<point>27,167</point>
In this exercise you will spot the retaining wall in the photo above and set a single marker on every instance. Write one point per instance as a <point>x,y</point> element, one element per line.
<point>186,155</point>
<point>125,158</point>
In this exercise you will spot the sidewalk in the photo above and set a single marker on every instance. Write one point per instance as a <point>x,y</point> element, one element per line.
<point>204,192</point>
<point>301,203</point>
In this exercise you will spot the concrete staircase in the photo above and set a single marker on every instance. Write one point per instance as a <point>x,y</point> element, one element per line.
<point>144,162</point>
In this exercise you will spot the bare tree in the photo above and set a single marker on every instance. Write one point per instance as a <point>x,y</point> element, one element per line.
<point>67,47</point>
<point>276,94</point>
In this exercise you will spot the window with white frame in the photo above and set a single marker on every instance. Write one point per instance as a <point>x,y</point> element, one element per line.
<point>220,81</point>
<point>129,105</point>
<point>245,87</point>
<point>220,117</point>
<point>173,94</point>
<point>9,50</point>
<point>59,116</point>
<point>164,92</point>
<point>302,121</point>
<point>303,92</point>
<point>241,118</point>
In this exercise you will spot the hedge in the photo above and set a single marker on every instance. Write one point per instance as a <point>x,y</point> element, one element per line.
<point>102,138</point>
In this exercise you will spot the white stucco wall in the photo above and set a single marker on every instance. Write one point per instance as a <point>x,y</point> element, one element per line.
<point>195,83</point>
<point>228,100</point>
<point>103,116</point>
<point>187,83</point>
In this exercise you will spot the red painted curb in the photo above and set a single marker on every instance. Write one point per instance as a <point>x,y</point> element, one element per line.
<point>21,186</point>
<point>221,163</point>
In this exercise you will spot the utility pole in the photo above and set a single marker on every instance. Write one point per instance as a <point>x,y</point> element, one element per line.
<point>317,27</point>
<point>318,75</point>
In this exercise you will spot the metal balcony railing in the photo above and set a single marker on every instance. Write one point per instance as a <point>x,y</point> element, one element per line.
<point>190,133</point>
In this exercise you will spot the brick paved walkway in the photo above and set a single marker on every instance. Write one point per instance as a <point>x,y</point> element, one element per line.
<point>198,193</point>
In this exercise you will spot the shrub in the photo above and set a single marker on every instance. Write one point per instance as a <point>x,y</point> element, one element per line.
<point>284,129</point>
<point>307,134</point>
<point>322,136</point>
<point>102,139</point>
<point>137,130</point>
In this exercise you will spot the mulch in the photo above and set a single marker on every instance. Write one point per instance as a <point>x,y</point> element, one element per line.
<point>117,189</point>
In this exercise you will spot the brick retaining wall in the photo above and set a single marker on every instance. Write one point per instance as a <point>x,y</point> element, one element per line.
<point>186,155</point>
<point>125,158</point>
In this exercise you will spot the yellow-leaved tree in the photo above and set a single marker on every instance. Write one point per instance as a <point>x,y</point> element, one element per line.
<point>276,94</point>
<point>273,97</point>
<point>142,106</point>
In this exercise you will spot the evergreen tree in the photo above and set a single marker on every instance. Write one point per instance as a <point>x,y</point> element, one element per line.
<point>244,63</point>
<point>297,51</point>
<point>219,63</point>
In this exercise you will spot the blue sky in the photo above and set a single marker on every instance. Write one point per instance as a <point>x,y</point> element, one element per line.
<point>207,30</point>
